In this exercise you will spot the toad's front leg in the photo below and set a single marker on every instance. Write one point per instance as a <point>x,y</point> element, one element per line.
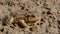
<point>22,23</point>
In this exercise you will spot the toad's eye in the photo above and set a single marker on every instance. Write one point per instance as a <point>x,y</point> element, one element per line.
<point>28,16</point>
<point>33,16</point>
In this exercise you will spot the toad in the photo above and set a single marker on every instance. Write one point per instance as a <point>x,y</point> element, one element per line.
<point>24,20</point>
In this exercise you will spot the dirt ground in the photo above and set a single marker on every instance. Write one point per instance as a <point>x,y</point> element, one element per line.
<point>48,10</point>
